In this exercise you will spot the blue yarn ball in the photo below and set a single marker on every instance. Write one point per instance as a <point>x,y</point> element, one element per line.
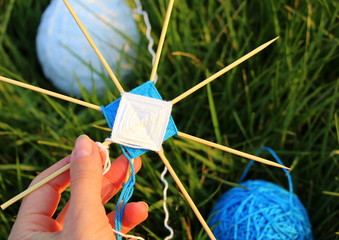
<point>265,211</point>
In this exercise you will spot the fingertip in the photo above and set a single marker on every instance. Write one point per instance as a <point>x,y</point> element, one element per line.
<point>135,213</point>
<point>83,147</point>
<point>137,164</point>
<point>86,171</point>
<point>142,206</point>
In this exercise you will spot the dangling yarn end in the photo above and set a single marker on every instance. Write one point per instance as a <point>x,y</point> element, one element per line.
<point>139,10</point>
<point>125,195</point>
<point>162,177</point>
<point>107,165</point>
<point>105,150</point>
<point>126,235</point>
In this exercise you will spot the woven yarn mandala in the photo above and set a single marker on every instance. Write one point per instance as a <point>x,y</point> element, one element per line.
<point>140,120</point>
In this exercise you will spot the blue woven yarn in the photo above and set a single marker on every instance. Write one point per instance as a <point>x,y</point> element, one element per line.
<point>125,195</point>
<point>265,211</point>
<point>149,90</point>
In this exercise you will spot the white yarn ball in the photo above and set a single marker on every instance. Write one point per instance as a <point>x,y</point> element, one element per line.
<point>66,56</point>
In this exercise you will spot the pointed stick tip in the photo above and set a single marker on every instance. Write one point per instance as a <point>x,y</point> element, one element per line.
<point>232,151</point>
<point>270,163</point>
<point>223,71</point>
<point>274,39</point>
<point>268,43</point>
<point>282,166</point>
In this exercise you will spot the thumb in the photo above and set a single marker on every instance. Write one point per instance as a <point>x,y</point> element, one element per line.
<point>86,172</point>
<point>86,215</point>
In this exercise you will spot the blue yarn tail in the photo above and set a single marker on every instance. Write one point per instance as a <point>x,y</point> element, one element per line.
<point>125,195</point>
<point>277,159</point>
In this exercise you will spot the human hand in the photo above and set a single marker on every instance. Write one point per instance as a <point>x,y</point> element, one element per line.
<point>84,216</point>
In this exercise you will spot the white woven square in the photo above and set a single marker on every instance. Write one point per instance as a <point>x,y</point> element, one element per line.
<point>141,122</point>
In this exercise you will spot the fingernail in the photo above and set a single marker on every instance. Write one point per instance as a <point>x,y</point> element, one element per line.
<point>83,147</point>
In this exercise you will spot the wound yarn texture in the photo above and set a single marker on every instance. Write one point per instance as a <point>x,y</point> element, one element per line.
<point>141,122</point>
<point>147,89</point>
<point>264,211</point>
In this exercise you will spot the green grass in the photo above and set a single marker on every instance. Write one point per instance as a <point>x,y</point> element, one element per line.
<point>286,97</point>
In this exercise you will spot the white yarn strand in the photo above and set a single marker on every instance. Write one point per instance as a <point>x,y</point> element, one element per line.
<point>139,11</point>
<point>126,235</point>
<point>164,204</point>
<point>107,164</point>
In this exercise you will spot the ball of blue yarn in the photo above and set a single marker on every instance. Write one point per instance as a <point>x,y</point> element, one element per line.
<point>264,211</point>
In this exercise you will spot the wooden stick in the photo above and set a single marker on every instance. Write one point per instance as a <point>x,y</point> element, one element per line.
<point>161,40</point>
<point>102,128</point>
<point>223,148</point>
<point>95,48</point>
<point>40,183</point>
<point>222,71</point>
<point>186,195</point>
<point>35,186</point>
<point>50,93</point>
<point>230,150</point>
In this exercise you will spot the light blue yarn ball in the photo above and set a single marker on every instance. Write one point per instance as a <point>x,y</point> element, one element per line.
<point>265,211</point>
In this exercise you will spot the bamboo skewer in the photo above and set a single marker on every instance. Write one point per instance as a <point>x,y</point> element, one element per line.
<point>161,41</point>
<point>181,134</point>
<point>95,48</point>
<point>222,71</point>
<point>186,195</point>
<point>50,93</point>
<point>34,187</point>
<point>39,184</point>
<point>230,150</point>
<point>221,147</point>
